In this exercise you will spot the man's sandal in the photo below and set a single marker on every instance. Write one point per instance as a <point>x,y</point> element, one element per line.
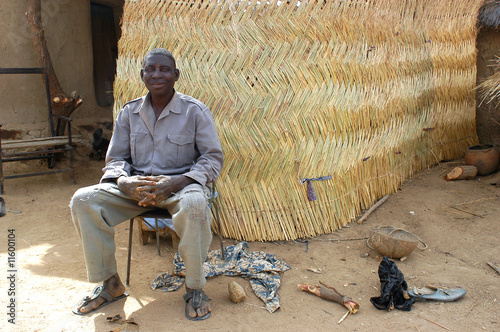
<point>196,296</point>
<point>98,291</point>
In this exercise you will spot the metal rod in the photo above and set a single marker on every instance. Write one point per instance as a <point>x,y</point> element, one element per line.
<point>37,173</point>
<point>218,222</point>
<point>157,236</point>
<point>129,258</point>
<point>22,70</point>
<point>42,154</point>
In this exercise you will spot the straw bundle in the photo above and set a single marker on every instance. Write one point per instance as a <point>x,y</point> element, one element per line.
<point>490,89</point>
<point>344,98</point>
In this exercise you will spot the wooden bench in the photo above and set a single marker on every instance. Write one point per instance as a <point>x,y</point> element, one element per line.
<point>38,148</point>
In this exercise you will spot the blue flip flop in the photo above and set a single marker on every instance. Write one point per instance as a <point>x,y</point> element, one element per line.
<point>431,293</point>
<point>98,291</point>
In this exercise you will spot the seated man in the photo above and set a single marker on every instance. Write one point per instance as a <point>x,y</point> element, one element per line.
<point>163,152</point>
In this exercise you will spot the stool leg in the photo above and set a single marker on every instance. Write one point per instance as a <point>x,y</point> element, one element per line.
<point>129,259</point>
<point>219,233</point>
<point>157,237</point>
<point>175,240</point>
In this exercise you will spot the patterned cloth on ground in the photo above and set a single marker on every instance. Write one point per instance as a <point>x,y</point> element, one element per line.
<point>260,268</point>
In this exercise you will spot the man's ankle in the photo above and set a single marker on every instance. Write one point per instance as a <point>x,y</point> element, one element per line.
<point>113,283</point>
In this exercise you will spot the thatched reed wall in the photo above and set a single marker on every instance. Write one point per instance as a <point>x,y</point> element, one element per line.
<point>366,92</point>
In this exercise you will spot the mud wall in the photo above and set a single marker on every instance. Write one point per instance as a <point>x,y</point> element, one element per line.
<point>23,110</point>
<point>487,115</point>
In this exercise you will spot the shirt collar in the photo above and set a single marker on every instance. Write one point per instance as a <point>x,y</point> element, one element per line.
<point>173,106</point>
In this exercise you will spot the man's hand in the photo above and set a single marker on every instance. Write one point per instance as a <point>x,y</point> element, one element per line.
<point>163,187</point>
<point>130,185</point>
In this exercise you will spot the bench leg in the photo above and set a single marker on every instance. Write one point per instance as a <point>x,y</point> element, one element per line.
<point>175,240</point>
<point>143,234</point>
<point>1,174</point>
<point>1,166</point>
<point>71,166</point>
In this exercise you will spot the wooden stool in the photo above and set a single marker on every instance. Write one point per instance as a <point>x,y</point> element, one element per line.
<point>146,232</point>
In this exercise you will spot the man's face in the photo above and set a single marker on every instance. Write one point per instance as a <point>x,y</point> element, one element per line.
<point>159,75</point>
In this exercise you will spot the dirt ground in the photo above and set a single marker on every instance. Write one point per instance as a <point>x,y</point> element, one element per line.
<point>458,220</point>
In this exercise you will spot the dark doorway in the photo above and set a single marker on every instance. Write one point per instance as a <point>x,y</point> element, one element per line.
<point>487,114</point>
<point>105,35</point>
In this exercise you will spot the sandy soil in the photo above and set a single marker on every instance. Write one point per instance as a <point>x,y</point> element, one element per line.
<point>458,220</point>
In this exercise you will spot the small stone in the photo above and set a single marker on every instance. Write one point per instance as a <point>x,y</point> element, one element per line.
<point>236,292</point>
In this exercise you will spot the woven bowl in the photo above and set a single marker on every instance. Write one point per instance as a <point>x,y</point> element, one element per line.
<point>393,242</point>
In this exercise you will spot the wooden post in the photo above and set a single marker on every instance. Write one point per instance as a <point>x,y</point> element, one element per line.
<point>373,208</point>
<point>62,104</point>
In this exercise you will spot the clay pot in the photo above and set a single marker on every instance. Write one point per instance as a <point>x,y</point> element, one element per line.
<point>485,157</point>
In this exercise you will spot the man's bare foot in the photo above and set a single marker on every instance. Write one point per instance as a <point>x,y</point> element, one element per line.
<point>113,286</point>
<point>203,309</point>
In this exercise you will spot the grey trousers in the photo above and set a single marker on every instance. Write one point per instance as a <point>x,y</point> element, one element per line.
<point>97,209</point>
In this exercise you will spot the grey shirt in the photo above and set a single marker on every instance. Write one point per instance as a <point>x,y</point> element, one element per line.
<point>183,141</point>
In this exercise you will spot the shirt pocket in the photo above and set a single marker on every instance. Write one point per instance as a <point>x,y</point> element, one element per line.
<point>184,148</point>
<point>138,148</point>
